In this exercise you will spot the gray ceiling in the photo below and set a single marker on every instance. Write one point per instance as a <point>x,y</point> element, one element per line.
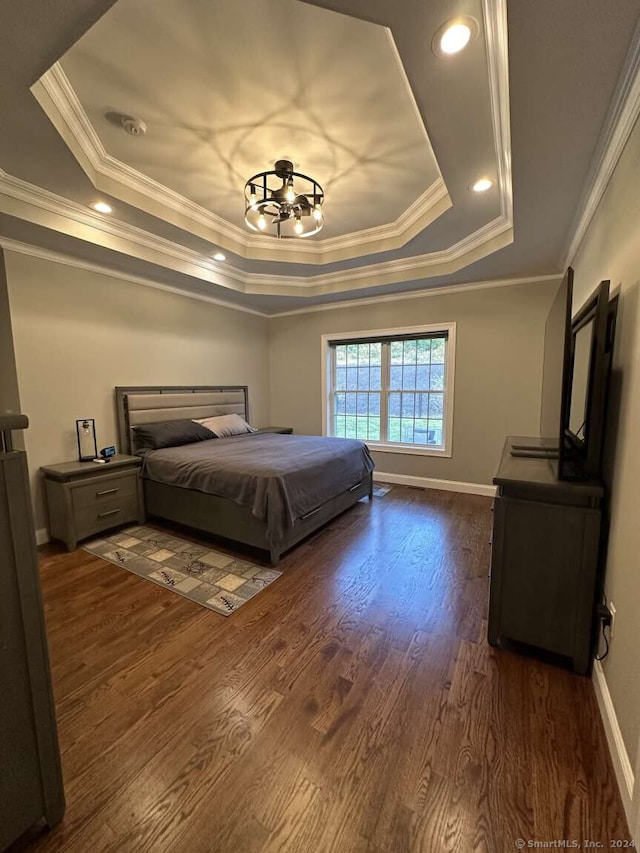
<point>565,60</point>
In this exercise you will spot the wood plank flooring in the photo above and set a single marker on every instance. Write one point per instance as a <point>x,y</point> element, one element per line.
<point>353,706</point>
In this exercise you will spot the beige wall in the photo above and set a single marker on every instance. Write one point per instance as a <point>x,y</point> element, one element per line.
<point>78,334</point>
<point>500,334</point>
<point>611,249</point>
<point>9,396</point>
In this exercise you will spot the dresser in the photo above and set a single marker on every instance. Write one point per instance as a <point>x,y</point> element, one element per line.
<point>545,558</point>
<point>86,498</point>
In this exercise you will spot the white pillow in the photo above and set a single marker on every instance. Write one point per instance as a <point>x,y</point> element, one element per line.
<point>226,425</point>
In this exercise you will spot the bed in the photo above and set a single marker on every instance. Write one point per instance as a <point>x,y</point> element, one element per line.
<point>264,490</point>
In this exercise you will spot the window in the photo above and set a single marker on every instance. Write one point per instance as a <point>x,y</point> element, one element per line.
<point>393,389</point>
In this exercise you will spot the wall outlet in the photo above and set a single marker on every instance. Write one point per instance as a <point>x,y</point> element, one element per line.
<point>612,627</point>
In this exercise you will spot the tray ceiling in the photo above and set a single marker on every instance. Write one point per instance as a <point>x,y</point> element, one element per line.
<point>224,94</point>
<point>352,91</point>
<point>225,89</point>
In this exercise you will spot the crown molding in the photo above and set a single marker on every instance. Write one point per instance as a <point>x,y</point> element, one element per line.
<point>420,294</point>
<point>42,207</point>
<point>10,245</point>
<point>32,251</point>
<point>494,13</point>
<point>621,118</point>
<point>495,234</point>
<point>58,99</point>
<point>34,204</point>
<point>56,96</point>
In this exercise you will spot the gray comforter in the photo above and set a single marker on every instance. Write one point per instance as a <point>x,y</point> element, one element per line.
<point>280,477</point>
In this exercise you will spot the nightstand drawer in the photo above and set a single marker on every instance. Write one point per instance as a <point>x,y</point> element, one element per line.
<point>103,490</point>
<point>110,514</point>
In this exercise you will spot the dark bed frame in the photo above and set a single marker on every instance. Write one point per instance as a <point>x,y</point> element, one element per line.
<point>209,513</point>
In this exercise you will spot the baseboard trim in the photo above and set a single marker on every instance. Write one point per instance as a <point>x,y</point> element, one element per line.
<point>42,536</point>
<point>432,483</point>
<point>619,756</point>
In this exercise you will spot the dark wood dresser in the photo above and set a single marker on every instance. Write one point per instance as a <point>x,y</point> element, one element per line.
<point>545,554</point>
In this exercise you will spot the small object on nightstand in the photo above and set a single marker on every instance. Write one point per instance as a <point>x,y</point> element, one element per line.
<point>87,444</point>
<point>85,499</point>
<point>107,453</point>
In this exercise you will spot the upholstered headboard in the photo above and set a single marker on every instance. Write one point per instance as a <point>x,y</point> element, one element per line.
<point>153,404</point>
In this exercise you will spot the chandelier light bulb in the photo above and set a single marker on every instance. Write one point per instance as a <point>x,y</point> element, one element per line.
<point>298,227</point>
<point>262,222</point>
<point>317,213</point>
<point>290,195</point>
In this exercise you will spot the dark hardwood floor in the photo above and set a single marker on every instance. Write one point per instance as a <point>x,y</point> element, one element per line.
<point>354,705</point>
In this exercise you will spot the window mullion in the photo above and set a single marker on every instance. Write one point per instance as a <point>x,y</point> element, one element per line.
<point>333,391</point>
<point>385,384</point>
<point>445,390</point>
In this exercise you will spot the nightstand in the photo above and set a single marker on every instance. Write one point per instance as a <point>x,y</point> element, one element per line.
<point>281,430</point>
<point>86,498</point>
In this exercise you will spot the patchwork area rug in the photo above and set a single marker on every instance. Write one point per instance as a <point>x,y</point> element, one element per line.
<point>211,578</point>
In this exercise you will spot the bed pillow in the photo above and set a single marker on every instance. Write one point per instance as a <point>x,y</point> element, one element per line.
<point>170,434</point>
<point>226,425</point>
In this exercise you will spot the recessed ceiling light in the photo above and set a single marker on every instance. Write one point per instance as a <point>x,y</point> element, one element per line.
<point>454,36</point>
<point>219,257</point>
<point>102,207</point>
<point>482,185</point>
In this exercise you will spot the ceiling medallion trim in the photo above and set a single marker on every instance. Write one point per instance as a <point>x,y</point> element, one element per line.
<point>56,96</point>
<point>39,206</point>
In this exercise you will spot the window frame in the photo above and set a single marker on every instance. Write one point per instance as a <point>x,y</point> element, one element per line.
<point>450,365</point>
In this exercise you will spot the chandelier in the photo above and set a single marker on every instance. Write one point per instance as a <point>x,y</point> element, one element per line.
<point>283,203</point>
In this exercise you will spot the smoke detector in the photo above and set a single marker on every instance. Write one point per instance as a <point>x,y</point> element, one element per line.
<point>134,126</point>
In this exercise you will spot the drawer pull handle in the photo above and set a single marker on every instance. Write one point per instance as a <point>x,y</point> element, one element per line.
<point>111,512</point>
<point>106,492</point>
<point>357,485</point>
